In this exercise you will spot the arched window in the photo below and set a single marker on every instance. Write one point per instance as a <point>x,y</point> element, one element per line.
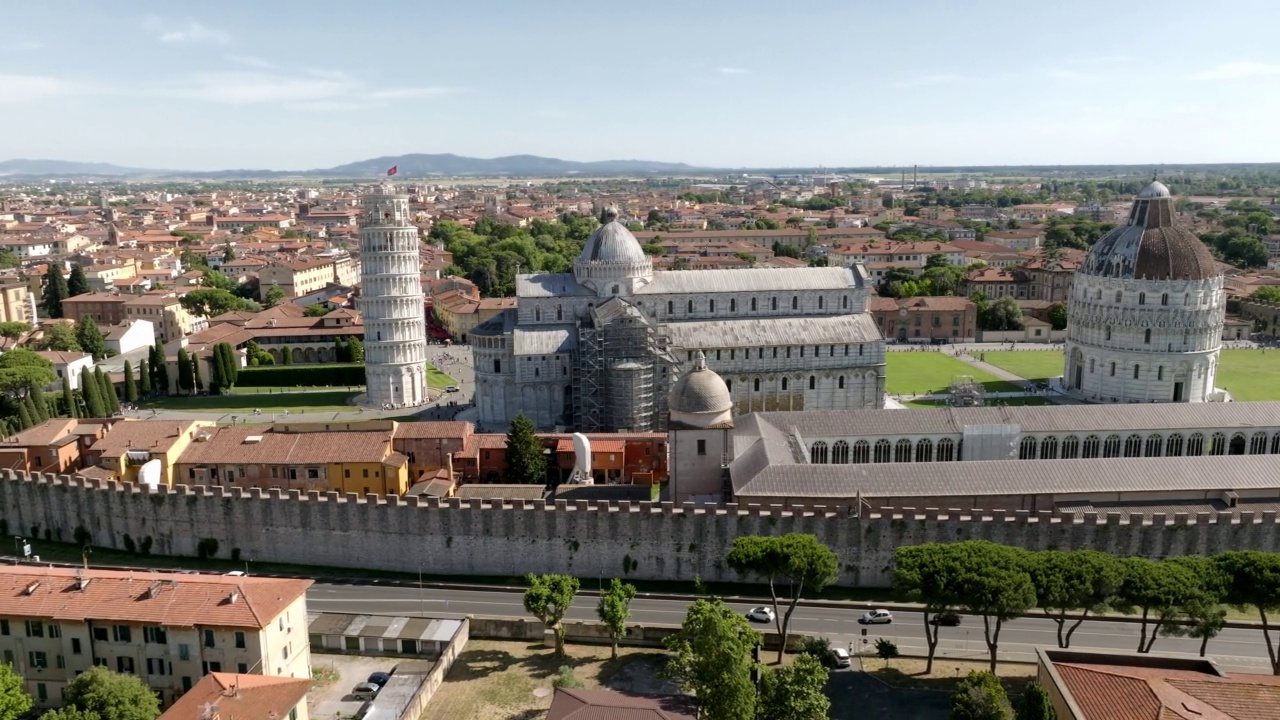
<point>1070,447</point>
<point>1237,445</point>
<point>784,383</point>
<point>1164,299</point>
<point>690,309</point>
<point>1275,444</point>
<point>1049,448</point>
<point>818,453</point>
<point>861,452</point>
<point>946,450</point>
<point>819,302</point>
<point>756,385</point>
<point>1173,446</point>
<point>1258,445</point>
<point>1113,369</point>
<point>813,382</point>
<point>840,382</point>
<point>924,451</point>
<point>728,384</point>
<point>1136,370</point>
<point>844,302</point>
<point>1142,298</point>
<point>795,302</point>
<point>1111,447</point>
<point>840,452</point>
<point>1146,336</point>
<point>1027,449</point>
<point>902,452</point>
<point>1090,449</point>
<point>537,314</point>
<point>1133,446</point>
<point>882,451</point>
<point>1091,362</point>
<point>773,303</point>
<point>1160,373</point>
<point>1195,445</point>
<point>1154,448</point>
<point>671,307</point>
<point>733,304</point>
<point>711,305</point>
<point>1108,332</point>
<point>559,313</point>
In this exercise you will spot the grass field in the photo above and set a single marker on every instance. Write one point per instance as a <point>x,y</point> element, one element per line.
<point>916,373</point>
<point>1030,364</point>
<point>314,401</point>
<point>1006,401</point>
<point>437,379</point>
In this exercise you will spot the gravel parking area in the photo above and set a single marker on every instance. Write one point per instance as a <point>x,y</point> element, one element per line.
<point>341,673</point>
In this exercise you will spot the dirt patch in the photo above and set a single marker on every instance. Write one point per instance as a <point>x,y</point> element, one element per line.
<point>493,680</point>
<point>908,673</point>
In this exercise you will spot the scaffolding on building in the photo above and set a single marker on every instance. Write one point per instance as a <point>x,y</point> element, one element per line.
<point>966,392</point>
<point>621,373</point>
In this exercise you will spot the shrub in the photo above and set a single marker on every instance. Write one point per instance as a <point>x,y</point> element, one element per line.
<point>300,375</point>
<point>820,648</point>
<point>129,545</point>
<point>566,678</point>
<point>207,548</point>
<point>82,535</point>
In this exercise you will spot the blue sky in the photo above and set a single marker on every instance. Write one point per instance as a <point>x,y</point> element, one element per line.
<point>294,85</point>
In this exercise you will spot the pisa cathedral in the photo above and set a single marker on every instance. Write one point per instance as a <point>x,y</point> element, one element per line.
<point>598,349</point>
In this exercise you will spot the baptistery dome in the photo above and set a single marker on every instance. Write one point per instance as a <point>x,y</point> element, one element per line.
<point>1150,246</point>
<point>612,261</point>
<point>700,398</point>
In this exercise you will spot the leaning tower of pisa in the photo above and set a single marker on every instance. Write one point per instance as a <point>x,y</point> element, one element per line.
<point>391,302</point>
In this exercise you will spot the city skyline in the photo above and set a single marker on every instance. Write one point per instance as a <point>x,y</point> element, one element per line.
<point>294,87</point>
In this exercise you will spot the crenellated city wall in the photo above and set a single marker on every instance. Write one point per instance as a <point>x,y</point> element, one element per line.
<point>636,540</point>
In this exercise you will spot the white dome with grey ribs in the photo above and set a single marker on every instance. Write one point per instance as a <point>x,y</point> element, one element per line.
<point>612,261</point>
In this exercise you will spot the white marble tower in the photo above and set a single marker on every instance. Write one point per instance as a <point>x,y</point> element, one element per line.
<point>391,302</point>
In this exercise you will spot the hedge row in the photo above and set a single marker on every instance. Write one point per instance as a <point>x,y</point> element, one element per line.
<point>300,375</point>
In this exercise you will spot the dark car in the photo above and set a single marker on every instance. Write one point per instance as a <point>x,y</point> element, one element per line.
<point>379,678</point>
<point>946,618</point>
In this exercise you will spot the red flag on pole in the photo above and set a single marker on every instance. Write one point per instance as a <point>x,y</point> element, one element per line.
<point>394,169</point>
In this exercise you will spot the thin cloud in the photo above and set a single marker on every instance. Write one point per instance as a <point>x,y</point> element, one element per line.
<point>312,89</point>
<point>252,62</point>
<point>732,71</point>
<point>418,92</point>
<point>929,80</point>
<point>16,89</point>
<point>28,45</point>
<point>184,32</point>
<point>1237,71</point>
<point>1100,60</point>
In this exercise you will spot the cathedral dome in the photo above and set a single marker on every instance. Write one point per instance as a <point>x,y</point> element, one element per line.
<point>612,242</point>
<point>1150,246</point>
<point>700,391</point>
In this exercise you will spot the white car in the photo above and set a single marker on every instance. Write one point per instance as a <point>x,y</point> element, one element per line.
<point>876,617</point>
<point>760,614</point>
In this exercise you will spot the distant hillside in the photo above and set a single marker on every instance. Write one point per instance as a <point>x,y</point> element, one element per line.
<point>63,167</point>
<point>418,164</point>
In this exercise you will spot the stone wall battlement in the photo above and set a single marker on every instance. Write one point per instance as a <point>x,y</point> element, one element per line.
<point>639,540</point>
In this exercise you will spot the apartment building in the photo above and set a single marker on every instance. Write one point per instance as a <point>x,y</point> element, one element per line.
<point>925,319</point>
<point>106,308</point>
<point>14,303</point>
<point>168,629</point>
<point>133,443</point>
<point>1017,239</point>
<point>295,277</point>
<point>165,312</point>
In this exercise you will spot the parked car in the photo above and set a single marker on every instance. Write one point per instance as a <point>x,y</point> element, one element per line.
<point>842,657</point>
<point>365,691</point>
<point>760,614</point>
<point>451,388</point>
<point>876,617</point>
<point>946,618</point>
<point>379,678</point>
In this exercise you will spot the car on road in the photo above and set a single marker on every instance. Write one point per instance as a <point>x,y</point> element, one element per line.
<point>451,388</point>
<point>842,657</point>
<point>379,678</point>
<point>364,691</point>
<point>760,614</point>
<point>876,617</point>
<point>946,618</point>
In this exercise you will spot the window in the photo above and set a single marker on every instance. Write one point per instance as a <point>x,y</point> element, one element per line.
<point>42,691</point>
<point>840,382</point>
<point>1136,369</point>
<point>1164,299</point>
<point>156,635</point>
<point>1108,332</point>
<point>711,305</point>
<point>60,662</point>
<point>1091,362</point>
<point>819,302</point>
<point>214,666</point>
<point>1111,448</point>
<point>124,664</point>
<point>1195,444</point>
<point>1258,445</point>
<point>242,668</point>
<point>37,659</point>
<point>795,302</point>
<point>840,452</point>
<point>1070,447</point>
<point>1174,445</point>
<point>1090,449</point>
<point>156,666</point>
<point>818,453</point>
<point>882,451</point>
<point>346,472</point>
<point>861,452</point>
<point>671,307</point>
<point>1113,369</point>
<point>240,639</point>
<point>35,628</point>
<point>614,289</point>
<point>756,385</point>
<point>1142,298</point>
<point>702,447</point>
<point>313,473</point>
<point>4,627</point>
<point>844,302</point>
<point>186,683</point>
<point>100,634</point>
<point>1218,444</point>
<point>773,303</point>
<point>1154,443</point>
<point>813,382</point>
<point>1133,446</point>
<point>690,307</point>
<point>75,646</point>
<point>208,639</point>
<point>1049,448</point>
<point>1160,373</point>
<point>784,380</point>
<point>1027,449</point>
<point>753,304</point>
<point>946,450</point>
<point>1146,336</point>
<point>559,313</point>
<point>365,472</point>
<point>733,304</point>
<point>1119,295</point>
<point>924,451</point>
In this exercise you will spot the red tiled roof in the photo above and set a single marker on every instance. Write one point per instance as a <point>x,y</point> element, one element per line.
<point>578,704</point>
<point>433,430</point>
<point>243,697</point>
<point>1132,692</point>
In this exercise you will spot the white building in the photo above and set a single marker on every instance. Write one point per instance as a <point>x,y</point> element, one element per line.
<point>391,303</point>
<point>597,349</point>
<point>69,365</point>
<point>130,335</point>
<point>1146,312</point>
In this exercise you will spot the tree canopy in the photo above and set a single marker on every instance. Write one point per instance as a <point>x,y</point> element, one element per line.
<point>1070,585</point>
<point>712,659</point>
<point>112,696</point>
<point>14,700</point>
<point>526,463</point>
<point>794,692</point>
<point>211,302</point>
<point>21,369</point>
<point>60,336</point>
<point>796,559</point>
<point>980,696</point>
<point>548,598</point>
<point>614,609</point>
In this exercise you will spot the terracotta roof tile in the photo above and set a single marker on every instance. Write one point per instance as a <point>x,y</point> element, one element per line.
<point>1108,696</point>
<point>244,697</point>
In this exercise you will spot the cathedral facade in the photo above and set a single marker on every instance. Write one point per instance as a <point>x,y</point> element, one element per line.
<point>1146,312</point>
<point>598,349</point>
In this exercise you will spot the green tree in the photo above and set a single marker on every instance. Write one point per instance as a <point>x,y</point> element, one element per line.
<point>186,378</point>
<point>794,692</point>
<point>886,650</point>
<point>55,291</point>
<point>14,701</point>
<point>25,420</point>
<point>77,283</point>
<point>286,355</point>
<point>29,406</point>
<point>339,350</point>
<point>36,393</point>
<point>144,377</point>
<point>217,370</point>
<point>228,254</point>
<point>980,696</point>
<point>796,559</point>
<point>69,398</point>
<point>230,364</point>
<point>711,658</point>
<point>196,378</point>
<point>21,369</point>
<point>130,387</point>
<point>273,297</point>
<point>936,260</point>
<point>110,403</point>
<point>1267,293</point>
<point>316,310</point>
<point>69,713</point>
<point>1003,314</point>
<point>614,609</point>
<point>61,337</point>
<point>924,574</point>
<point>1070,585</point>
<point>1159,590</point>
<point>548,598</point>
<point>991,580</point>
<point>526,463</point>
<point>91,391</point>
<point>355,350</point>
<point>211,302</point>
<point>159,371</point>
<point>14,329</point>
<point>112,696</point>
<point>90,338</point>
<point>1058,315</point>
<point>1254,581</point>
<point>1035,704</point>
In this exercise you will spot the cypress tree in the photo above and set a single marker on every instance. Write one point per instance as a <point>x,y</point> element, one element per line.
<point>186,380</point>
<point>526,464</point>
<point>286,355</point>
<point>159,372</point>
<point>144,376</point>
<point>68,398</point>
<point>195,372</point>
<point>231,371</point>
<point>77,283</point>
<point>355,350</point>
<point>216,382</point>
<point>41,402</point>
<point>91,389</point>
<point>30,406</point>
<point>55,291</point>
<point>339,351</point>
<point>24,417</point>
<point>130,388</point>
<point>110,403</point>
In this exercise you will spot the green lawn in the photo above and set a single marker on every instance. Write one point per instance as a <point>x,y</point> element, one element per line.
<point>1007,401</point>
<point>1250,374</point>
<point>315,401</point>
<point>437,379</point>
<point>1034,365</point>
<point>914,373</point>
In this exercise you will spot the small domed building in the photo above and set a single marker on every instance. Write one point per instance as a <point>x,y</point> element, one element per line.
<point>699,434</point>
<point>598,349</point>
<point>1146,312</point>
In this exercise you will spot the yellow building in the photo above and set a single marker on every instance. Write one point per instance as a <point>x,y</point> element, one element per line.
<point>138,442</point>
<point>295,277</point>
<point>170,319</point>
<point>168,629</point>
<point>347,457</point>
<point>13,303</point>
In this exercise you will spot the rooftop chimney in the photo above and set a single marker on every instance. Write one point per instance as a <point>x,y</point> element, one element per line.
<point>31,587</point>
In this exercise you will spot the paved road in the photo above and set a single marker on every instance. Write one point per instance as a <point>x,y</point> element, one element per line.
<point>1235,649</point>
